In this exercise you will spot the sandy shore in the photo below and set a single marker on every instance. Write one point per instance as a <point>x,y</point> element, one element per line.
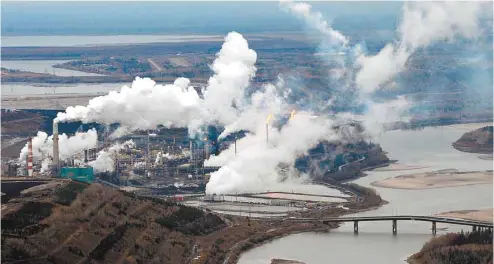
<point>436,179</point>
<point>470,126</point>
<point>486,157</point>
<point>399,167</point>
<point>478,215</point>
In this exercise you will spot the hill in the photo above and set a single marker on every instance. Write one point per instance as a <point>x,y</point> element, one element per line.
<point>79,223</point>
<point>475,247</point>
<point>477,141</point>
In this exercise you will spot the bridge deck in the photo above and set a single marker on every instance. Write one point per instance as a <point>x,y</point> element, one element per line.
<point>401,218</point>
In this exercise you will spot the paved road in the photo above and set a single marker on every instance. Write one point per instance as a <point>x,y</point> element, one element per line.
<point>360,159</point>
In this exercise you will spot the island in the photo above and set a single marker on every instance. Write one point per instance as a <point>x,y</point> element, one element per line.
<point>477,141</point>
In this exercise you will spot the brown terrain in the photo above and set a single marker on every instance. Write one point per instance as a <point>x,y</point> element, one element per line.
<point>77,223</point>
<point>459,248</point>
<point>20,122</point>
<point>477,141</point>
<point>80,223</point>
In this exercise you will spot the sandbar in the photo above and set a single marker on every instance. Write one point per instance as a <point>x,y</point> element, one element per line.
<point>470,126</point>
<point>485,215</point>
<point>399,167</point>
<point>436,179</point>
<point>285,261</point>
<point>486,157</point>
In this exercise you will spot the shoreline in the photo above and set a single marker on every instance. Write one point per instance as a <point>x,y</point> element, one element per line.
<point>234,255</point>
<point>485,215</point>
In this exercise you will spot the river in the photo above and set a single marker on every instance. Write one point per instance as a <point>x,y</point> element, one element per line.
<point>68,41</point>
<point>20,89</point>
<point>375,243</point>
<point>43,66</point>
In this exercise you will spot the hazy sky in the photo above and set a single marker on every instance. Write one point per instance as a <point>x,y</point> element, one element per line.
<point>89,17</point>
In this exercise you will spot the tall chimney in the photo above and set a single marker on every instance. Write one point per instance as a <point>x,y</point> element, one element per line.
<point>191,150</point>
<point>56,157</point>
<point>30,157</point>
<point>267,133</point>
<point>86,156</point>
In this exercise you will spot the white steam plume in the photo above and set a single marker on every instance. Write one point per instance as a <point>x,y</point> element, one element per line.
<point>423,24</point>
<point>316,20</point>
<point>146,105</point>
<point>68,146</point>
<point>256,166</point>
<point>233,70</point>
<point>105,161</point>
<point>261,104</point>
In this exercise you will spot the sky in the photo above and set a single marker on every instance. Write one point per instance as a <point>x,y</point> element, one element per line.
<point>90,18</point>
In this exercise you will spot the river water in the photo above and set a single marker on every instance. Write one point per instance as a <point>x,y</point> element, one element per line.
<point>67,41</point>
<point>20,89</point>
<point>375,243</point>
<point>43,66</point>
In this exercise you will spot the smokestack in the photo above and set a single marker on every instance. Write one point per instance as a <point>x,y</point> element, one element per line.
<point>56,157</point>
<point>270,116</point>
<point>30,157</point>
<point>86,156</point>
<point>267,134</point>
<point>191,150</point>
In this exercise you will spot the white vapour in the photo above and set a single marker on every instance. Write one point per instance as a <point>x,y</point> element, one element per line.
<point>146,104</point>
<point>256,166</point>
<point>261,104</point>
<point>68,146</point>
<point>316,20</point>
<point>378,115</point>
<point>422,24</point>
<point>105,161</point>
<point>233,70</point>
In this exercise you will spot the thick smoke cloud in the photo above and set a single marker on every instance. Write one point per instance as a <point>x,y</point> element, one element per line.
<point>68,146</point>
<point>233,70</point>
<point>257,163</point>
<point>105,161</point>
<point>422,24</point>
<point>146,104</point>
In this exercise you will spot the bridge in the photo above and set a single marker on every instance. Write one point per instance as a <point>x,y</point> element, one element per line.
<point>476,225</point>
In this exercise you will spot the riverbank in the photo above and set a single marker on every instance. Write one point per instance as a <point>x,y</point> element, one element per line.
<point>485,215</point>
<point>267,231</point>
<point>399,167</point>
<point>456,248</point>
<point>436,179</point>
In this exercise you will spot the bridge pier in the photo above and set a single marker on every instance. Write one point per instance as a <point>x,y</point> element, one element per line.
<point>395,228</point>
<point>433,227</point>
<point>474,228</point>
<point>355,227</point>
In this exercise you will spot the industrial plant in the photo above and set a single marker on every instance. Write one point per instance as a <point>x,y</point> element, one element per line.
<point>160,161</point>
